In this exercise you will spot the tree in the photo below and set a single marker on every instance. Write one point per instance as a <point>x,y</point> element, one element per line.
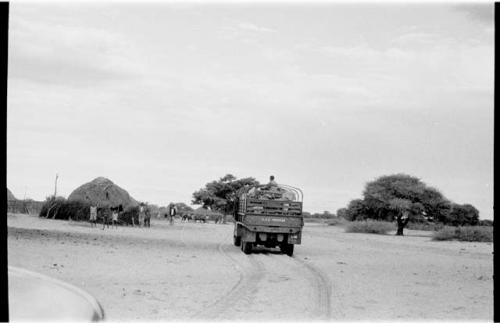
<point>342,212</point>
<point>437,207</point>
<point>465,214</point>
<point>219,195</point>
<point>183,208</point>
<point>356,210</point>
<point>402,198</point>
<point>404,209</point>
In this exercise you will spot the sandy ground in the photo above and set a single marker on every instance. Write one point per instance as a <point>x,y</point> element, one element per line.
<point>192,271</point>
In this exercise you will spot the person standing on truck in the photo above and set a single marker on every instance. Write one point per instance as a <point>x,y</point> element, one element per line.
<point>272,182</point>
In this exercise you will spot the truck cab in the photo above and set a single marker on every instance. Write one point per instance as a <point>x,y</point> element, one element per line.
<point>268,215</point>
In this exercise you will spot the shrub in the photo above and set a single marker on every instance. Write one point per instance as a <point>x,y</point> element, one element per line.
<point>467,233</point>
<point>446,233</point>
<point>74,210</point>
<point>486,222</point>
<point>337,221</point>
<point>425,226</point>
<point>131,212</point>
<point>370,226</point>
<point>61,209</point>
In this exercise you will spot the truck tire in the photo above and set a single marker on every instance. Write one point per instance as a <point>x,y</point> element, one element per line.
<point>287,249</point>
<point>237,241</point>
<point>246,247</point>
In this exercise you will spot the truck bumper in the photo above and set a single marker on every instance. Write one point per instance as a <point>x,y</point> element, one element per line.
<point>268,229</point>
<point>265,234</point>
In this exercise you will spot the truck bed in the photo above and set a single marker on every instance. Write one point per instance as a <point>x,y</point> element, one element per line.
<point>271,207</point>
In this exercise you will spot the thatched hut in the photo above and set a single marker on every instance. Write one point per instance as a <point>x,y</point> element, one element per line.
<point>103,192</point>
<point>10,196</point>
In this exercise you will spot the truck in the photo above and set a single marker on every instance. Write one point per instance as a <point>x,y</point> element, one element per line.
<point>270,216</point>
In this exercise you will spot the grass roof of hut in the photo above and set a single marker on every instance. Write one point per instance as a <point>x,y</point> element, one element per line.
<point>103,192</point>
<point>10,196</point>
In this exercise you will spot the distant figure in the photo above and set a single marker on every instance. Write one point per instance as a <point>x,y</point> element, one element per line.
<point>147,218</point>
<point>141,215</point>
<point>172,212</point>
<point>93,216</point>
<point>272,182</point>
<point>105,217</point>
<point>114,217</point>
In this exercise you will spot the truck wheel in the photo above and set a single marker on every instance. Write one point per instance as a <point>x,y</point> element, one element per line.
<point>287,249</point>
<point>237,241</point>
<point>246,247</point>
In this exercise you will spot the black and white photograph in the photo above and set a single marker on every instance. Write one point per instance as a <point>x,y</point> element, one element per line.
<point>208,161</point>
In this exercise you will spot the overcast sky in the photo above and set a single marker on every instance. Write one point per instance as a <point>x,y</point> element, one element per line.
<point>163,97</point>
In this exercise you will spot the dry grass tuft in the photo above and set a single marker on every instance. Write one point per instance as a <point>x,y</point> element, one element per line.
<point>467,233</point>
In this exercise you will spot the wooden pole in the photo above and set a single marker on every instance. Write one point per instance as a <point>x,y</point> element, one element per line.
<point>55,188</point>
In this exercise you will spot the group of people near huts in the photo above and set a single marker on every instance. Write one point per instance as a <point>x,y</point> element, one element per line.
<point>110,215</point>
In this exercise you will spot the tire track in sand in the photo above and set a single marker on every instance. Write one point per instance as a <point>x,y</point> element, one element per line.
<point>321,283</point>
<point>322,286</point>
<point>242,291</point>
<point>325,291</point>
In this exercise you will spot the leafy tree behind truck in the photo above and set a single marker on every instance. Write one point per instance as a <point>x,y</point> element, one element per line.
<point>404,198</point>
<point>219,195</point>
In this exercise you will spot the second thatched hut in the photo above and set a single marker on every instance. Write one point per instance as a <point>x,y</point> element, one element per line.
<point>104,193</point>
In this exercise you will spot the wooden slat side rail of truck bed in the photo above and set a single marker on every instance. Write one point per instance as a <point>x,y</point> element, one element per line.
<point>271,207</point>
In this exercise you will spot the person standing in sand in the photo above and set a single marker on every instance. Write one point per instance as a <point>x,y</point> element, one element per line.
<point>147,217</point>
<point>105,217</point>
<point>172,212</point>
<point>93,216</point>
<point>141,215</point>
<point>114,217</point>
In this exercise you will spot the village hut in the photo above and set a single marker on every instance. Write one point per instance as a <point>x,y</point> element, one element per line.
<point>103,192</point>
<point>10,196</point>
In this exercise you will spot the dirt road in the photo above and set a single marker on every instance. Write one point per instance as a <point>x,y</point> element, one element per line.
<point>192,271</point>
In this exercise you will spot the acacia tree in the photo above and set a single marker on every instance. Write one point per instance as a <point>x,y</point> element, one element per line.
<point>219,195</point>
<point>402,198</point>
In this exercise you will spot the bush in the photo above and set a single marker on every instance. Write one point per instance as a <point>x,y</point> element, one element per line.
<point>467,233</point>
<point>486,223</point>
<point>370,226</point>
<point>447,233</point>
<point>337,221</point>
<point>131,212</point>
<point>424,226</point>
<point>61,209</point>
